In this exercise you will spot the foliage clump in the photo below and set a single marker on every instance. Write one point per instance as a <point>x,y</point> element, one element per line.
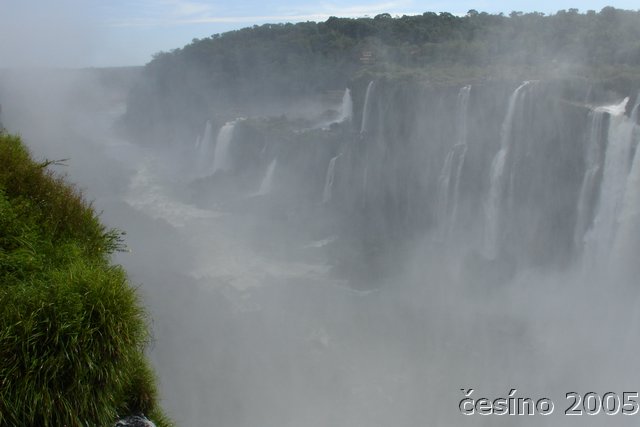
<point>72,330</point>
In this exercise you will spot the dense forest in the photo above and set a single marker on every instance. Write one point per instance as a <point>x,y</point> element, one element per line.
<point>226,75</point>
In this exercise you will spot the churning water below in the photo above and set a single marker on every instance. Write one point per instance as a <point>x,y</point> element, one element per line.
<point>251,327</point>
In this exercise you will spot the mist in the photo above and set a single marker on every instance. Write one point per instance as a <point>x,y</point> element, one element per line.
<point>362,248</point>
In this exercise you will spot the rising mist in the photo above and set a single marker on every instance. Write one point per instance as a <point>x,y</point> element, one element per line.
<point>354,247</point>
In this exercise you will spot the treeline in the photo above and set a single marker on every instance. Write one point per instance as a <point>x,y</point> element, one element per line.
<point>611,36</point>
<point>254,64</point>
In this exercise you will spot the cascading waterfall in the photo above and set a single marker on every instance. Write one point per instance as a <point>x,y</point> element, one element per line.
<point>198,142</point>
<point>635,119</point>
<point>462,110</point>
<point>366,110</point>
<point>593,165</point>
<point>449,180</point>
<point>444,182</point>
<point>365,180</point>
<point>494,202</point>
<point>635,114</point>
<point>627,242</point>
<point>538,165</point>
<point>204,152</point>
<point>345,111</point>
<point>346,108</point>
<point>266,186</point>
<point>328,182</point>
<point>222,157</point>
<point>600,237</point>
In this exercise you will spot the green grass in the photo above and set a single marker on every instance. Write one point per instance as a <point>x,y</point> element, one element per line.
<point>72,329</point>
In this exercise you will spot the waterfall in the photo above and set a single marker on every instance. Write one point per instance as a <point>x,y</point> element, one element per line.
<point>627,242</point>
<point>599,238</point>
<point>366,112</point>
<point>462,107</point>
<point>328,182</point>
<point>462,110</point>
<point>593,165</point>
<point>222,156</point>
<point>204,151</point>
<point>444,181</point>
<point>345,111</point>
<point>366,109</point>
<point>346,108</point>
<point>635,114</point>
<point>494,201</point>
<point>365,179</point>
<point>449,180</point>
<point>266,186</point>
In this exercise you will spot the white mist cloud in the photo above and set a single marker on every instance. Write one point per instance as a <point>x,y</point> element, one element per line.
<point>42,33</point>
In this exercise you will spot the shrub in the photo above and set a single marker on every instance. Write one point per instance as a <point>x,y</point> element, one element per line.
<point>72,329</point>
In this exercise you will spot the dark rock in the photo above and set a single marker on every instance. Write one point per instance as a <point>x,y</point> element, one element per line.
<point>134,421</point>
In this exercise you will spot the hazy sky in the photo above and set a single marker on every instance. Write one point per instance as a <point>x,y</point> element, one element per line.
<point>76,33</point>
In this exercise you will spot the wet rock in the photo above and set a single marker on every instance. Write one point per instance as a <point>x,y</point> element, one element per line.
<point>134,421</point>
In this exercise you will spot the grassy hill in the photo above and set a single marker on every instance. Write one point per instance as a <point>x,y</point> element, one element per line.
<point>72,329</point>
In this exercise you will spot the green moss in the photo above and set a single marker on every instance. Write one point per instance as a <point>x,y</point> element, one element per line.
<point>72,329</point>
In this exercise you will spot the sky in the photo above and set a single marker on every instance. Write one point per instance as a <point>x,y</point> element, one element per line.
<point>99,33</point>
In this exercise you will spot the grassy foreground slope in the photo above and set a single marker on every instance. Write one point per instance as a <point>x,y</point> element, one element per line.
<point>72,329</point>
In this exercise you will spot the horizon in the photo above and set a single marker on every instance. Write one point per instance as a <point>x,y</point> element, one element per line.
<point>78,35</point>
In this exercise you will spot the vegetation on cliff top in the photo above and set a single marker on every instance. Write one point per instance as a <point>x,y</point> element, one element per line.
<point>72,330</point>
<point>228,74</point>
<point>325,53</point>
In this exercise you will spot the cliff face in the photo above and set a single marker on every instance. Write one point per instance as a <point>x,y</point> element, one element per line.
<point>446,139</point>
<point>72,330</point>
<point>496,170</point>
<point>428,156</point>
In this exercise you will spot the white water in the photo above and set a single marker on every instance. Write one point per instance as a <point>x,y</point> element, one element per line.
<point>593,163</point>
<point>494,201</point>
<point>627,241</point>
<point>365,179</point>
<point>345,111</point>
<point>600,237</point>
<point>366,110</point>
<point>346,108</point>
<point>449,180</point>
<point>444,181</point>
<point>222,158</point>
<point>328,182</point>
<point>635,114</point>
<point>462,110</point>
<point>204,151</point>
<point>266,186</point>
<point>148,193</point>
<point>620,129</point>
